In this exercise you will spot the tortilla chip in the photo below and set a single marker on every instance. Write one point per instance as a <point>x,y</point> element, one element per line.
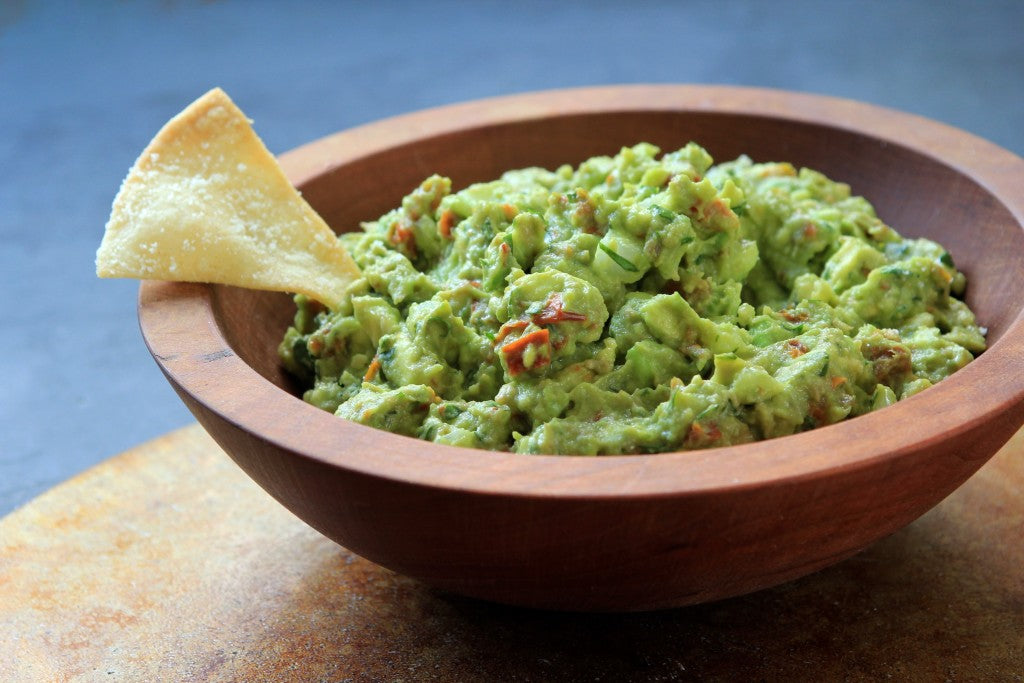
<point>207,202</point>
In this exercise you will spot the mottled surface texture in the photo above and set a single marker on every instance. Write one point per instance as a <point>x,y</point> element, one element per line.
<point>84,86</point>
<point>167,563</point>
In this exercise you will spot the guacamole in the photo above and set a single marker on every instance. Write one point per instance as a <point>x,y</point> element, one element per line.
<point>639,303</point>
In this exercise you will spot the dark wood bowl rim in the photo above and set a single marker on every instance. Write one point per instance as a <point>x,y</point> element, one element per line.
<point>981,392</point>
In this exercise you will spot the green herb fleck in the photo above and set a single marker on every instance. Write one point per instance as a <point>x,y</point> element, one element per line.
<point>624,263</point>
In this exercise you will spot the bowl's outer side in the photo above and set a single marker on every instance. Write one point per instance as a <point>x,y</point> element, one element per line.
<point>618,533</point>
<point>613,553</point>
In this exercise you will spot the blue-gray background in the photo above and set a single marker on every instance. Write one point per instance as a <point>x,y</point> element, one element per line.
<point>85,85</point>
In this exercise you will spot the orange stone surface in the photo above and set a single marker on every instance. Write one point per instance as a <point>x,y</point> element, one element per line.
<point>168,563</point>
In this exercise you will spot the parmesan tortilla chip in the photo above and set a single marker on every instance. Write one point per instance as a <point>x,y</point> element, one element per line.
<point>207,202</point>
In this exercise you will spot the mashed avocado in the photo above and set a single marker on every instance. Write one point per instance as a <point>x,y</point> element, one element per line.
<point>636,304</point>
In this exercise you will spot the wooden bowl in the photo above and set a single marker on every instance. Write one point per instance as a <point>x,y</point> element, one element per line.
<point>623,532</point>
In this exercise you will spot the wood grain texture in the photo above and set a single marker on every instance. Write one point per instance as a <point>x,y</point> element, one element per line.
<point>630,532</point>
<point>168,563</point>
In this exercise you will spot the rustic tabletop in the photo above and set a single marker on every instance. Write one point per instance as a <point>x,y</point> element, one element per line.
<point>168,563</point>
